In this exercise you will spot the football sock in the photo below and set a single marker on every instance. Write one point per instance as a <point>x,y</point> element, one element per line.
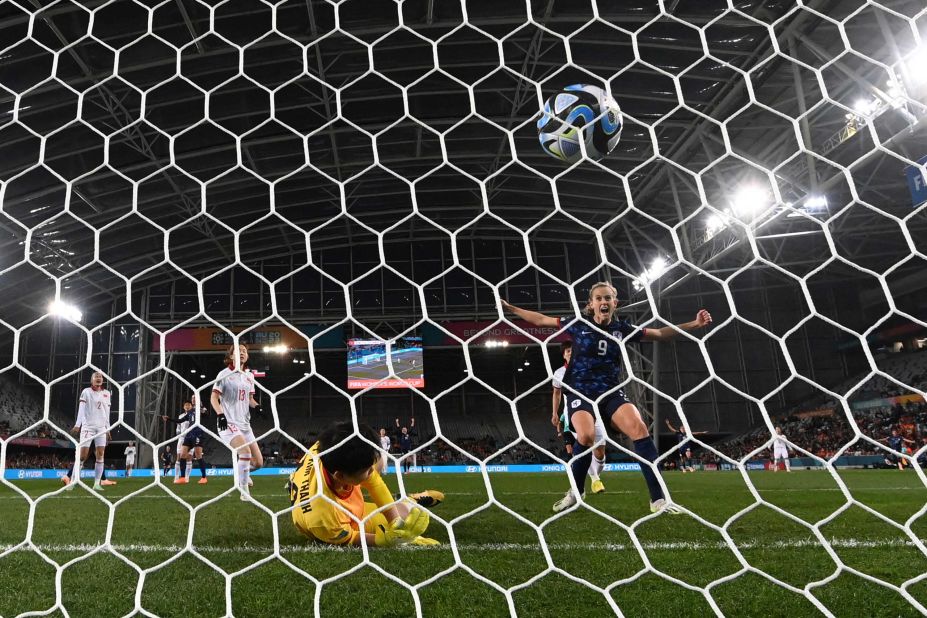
<point>98,471</point>
<point>580,466</point>
<point>648,452</point>
<point>244,471</point>
<point>202,467</point>
<point>183,467</point>
<point>595,469</point>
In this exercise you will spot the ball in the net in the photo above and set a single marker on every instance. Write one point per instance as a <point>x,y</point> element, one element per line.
<point>580,112</point>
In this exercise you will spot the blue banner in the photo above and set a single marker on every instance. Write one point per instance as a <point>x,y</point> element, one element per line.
<point>149,473</point>
<point>917,183</point>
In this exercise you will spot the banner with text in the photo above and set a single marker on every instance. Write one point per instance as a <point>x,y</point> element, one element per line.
<point>214,339</point>
<point>499,332</point>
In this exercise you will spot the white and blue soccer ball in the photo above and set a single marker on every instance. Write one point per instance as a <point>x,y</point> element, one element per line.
<point>580,112</point>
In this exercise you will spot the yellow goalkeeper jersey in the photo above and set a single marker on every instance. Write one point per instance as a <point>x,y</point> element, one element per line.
<point>321,520</point>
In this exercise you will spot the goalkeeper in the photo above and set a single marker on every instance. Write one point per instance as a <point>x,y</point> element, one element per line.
<point>342,473</point>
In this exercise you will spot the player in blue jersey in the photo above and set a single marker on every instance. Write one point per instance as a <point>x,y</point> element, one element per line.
<point>684,447</point>
<point>192,442</point>
<point>594,373</point>
<point>896,442</point>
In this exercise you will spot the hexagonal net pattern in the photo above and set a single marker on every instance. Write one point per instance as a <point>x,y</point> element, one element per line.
<point>176,109</point>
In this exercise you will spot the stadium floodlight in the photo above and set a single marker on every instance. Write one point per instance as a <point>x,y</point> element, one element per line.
<point>492,343</point>
<point>295,361</point>
<point>193,371</point>
<point>917,64</point>
<point>203,375</point>
<point>276,349</point>
<point>527,364</point>
<point>866,107</point>
<point>749,200</point>
<point>520,369</point>
<point>816,203</point>
<point>65,310</point>
<point>714,224</point>
<point>656,270</point>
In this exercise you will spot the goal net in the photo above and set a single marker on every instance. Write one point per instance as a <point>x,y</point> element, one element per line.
<point>179,177</point>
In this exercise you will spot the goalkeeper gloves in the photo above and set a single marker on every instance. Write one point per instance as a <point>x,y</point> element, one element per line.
<point>422,540</point>
<point>222,423</point>
<point>400,532</point>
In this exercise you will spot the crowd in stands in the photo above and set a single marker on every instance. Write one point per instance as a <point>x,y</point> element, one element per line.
<point>825,434</point>
<point>24,460</point>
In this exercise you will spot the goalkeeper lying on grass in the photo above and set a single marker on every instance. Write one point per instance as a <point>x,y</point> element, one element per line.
<point>342,473</point>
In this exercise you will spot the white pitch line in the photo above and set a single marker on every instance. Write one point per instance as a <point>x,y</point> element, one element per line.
<point>318,548</point>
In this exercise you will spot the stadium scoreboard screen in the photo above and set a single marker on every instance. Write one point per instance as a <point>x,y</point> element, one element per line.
<point>368,366</point>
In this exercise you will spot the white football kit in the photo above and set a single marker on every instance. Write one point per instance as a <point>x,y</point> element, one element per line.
<point>235,389</point>
<point>93,416</point>
<point>130,455</point>
<point>780,449</point>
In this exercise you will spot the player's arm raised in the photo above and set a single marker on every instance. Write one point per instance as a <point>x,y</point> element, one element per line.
<point>532,317</point>
<point>702,319</point>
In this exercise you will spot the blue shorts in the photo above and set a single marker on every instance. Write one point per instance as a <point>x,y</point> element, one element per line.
<point>192,440</point>
<point>607,407</point>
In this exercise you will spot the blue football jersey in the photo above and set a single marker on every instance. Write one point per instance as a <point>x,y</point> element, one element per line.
<point>895,442</point>
<point>595,366</point>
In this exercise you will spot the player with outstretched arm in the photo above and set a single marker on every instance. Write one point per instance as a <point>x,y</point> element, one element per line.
<point>594,370</point>
<point>191,448</point>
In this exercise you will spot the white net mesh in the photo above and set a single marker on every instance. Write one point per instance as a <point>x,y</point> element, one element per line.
<point>200,113</point>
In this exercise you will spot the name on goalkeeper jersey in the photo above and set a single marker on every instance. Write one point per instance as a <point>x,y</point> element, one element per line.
<point>305,489</point>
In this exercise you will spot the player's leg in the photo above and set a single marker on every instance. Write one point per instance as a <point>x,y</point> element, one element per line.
<point>583,424</point>
<point>598,457</point>
<point>788,464</point>
<point>242,462</point>
<point>198,456</point>
<point>182,461</point>
<point>100,450</point>
<point>177,447</point>
<point>627,419</point>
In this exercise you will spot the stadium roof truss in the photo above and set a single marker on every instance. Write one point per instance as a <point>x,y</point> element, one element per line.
<point>720,120</point>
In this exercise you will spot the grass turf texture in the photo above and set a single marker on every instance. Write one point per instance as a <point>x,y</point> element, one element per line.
<point>151,528</point>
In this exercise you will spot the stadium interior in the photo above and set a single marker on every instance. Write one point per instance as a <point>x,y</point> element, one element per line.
<point>349,183</point>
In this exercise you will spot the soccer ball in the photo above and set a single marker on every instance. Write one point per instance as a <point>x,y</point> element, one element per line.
<point>580,112</point>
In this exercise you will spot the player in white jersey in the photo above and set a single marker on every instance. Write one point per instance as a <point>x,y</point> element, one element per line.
<point>562,422</point>
<point>780,451</point>
<point>385,444</point>
<point>93,425</point>
<point>232,397</point>
<point>130,458</point>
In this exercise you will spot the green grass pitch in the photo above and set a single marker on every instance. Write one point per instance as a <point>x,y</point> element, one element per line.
<point>151,528</point>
